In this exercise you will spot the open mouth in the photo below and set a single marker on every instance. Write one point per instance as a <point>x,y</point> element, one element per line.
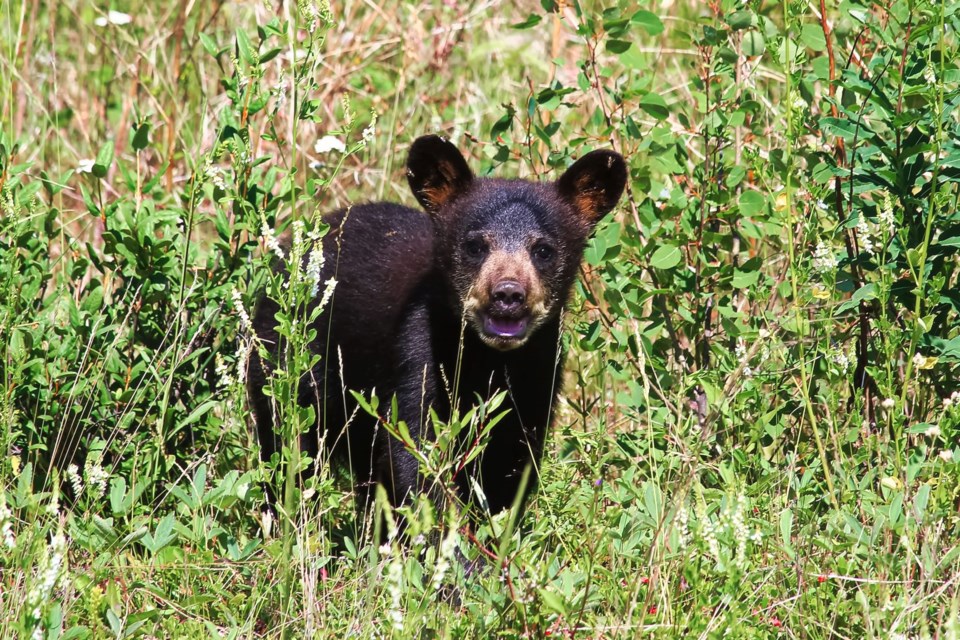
<point>505,327</point>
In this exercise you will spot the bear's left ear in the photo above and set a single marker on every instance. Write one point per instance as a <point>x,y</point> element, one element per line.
<point>594,184</point>
<point>437,172</point>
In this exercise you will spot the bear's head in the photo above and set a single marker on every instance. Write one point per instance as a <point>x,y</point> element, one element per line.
<point>510,249</point>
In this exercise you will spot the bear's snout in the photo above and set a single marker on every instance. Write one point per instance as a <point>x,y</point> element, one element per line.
<point>508,298</point>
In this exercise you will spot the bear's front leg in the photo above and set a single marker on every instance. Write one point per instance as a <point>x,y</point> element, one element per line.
<point>417,388</point>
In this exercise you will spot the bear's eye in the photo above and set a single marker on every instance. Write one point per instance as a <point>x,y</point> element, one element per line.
<point>543,252</point>
<point>475,247</point>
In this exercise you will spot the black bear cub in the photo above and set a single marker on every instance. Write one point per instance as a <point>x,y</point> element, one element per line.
<point>474,287</point>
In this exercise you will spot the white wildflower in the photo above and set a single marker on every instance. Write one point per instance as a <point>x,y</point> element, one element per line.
<point>73,475</point>
<point>222,370</point>
<point>216,176</point>
<point>823,259</point>
<point>243,352</point>
<point>327,144</point>
<point>885,214</point>
<point>843,361</point>
<point>863,230</point>
<point>683,526</point>
<point>447,549</point>
<point>96,478</point>
<point>314,267</point>
<point>932,432</point>
<point>6,525</point>
<point>270,239</point>
<point>47,576</point>
<point>85,165</point>
<point>947,402</point>
<point>113,17</point>
<point>371,129</point>
<point>327,292</point>
<point>741,354</point>
<point>946,455</point>
<point>888,403</point>
<point>394,583</point>
<point>53,507</point>
<point>241,311</point>
<point>738,525</point>
<point>930,74</point>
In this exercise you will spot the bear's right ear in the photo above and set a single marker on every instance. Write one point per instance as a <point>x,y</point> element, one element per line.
<point>437,172</point>
<point>594,184</point>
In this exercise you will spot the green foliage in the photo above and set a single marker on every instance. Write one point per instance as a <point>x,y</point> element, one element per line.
<point>760,428</point>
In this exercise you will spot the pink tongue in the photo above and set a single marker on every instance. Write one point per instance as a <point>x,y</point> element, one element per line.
<point>506,326</point>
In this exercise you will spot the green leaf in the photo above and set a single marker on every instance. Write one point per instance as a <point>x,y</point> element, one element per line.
<point>666,257</point>
<point>739,20</point>
<point>104,160</point>
<point>141,136</point>
<point>753,44</point>
<point>751,203</point>
<point>653,104</point>
<point>532,20</point>
<point>209,45</point>
<point>746,277</point>
<point>553,601</point>
<point>786,529</point>
<point>649,22</point>
<point>811,35</point>
<point>632,58</point>
<point>245,48</point>
<point>618,46</point>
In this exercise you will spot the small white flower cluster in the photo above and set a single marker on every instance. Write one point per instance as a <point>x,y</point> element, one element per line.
<point>85,165</point>
<point>309,245</point>
<point>113,17</point>
<point>924,363</point>
<point>823,259</point>
<point>270,239</point>
<point>225,374</point>
<point>73,475</point>
<point>683,526</point>
<point>96,477</point>
<point>47,576</point>
<point>316,12</point>
<point>843,361</point>
<point>245,323</point>
<point>394,582</point>
<point>315,267</point>
<point>731,521</point>
<point>6,525</point>
<point>885,214</point>
<point>930,74</point>
<point>863,229</point>
<point>447,548</point>
<point>216,175</point>
<point>741,354</point>
<point>371,129</point>
<point>952,400</point>
<point>328,143</point>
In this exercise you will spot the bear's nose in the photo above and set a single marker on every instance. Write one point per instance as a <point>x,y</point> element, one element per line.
<point>508,295</point>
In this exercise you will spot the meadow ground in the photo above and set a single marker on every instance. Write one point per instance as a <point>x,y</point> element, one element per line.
<point>759,434</point>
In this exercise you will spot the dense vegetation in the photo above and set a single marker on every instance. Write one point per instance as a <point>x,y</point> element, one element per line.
<point>760,431</point>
